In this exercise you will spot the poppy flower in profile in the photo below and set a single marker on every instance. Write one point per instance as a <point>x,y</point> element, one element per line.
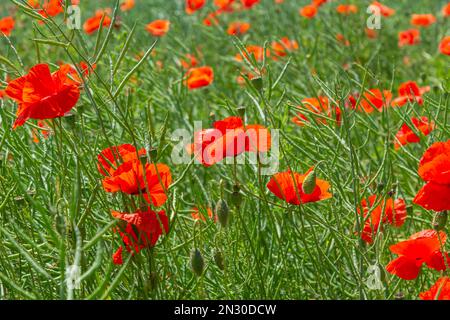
<point>282,47</point>
<point>439,291</point>
<point>444,46</point>
<point>238,28</point>
<point>42,95</point>
<point>378,212</point>
<point>288,186</point>
<point>406,135</point>
<point>408,37</point>
<point>142,229</point>
<point>158,28</point>
<point>373,99</point>
<point>423,20</point>
<point>202,214</point>
<point>249,3</point>
<point>194,5</point>
<point>7,25</point>
<point>446,10</point>
<point>376,7</point>
<point>197,78</point>
<point>347,9</point>
<point>127,5</point>
<point>224,5</point>
<point>93,23</point>
<point>189,61</point>
<point>434,168</point>
<point>317,106</point>
<point>256,51</point>
<point>131,177</point>
<point>308,11</point>
<point>421,248</point>
<point>110,158</point>
<point>409,92</point>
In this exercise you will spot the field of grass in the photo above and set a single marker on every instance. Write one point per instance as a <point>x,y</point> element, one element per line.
<point>57,232</point>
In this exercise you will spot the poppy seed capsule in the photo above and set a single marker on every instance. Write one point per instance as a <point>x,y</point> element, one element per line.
<point>222,212</point>
<point>440,220</point>
<point>257,83</point>
<point>309,183</point>
<point>236,196</point>
<point>197,262</point>
<point>219,260</point>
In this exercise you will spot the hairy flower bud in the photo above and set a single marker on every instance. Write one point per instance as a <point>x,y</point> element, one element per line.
<point>440,220</point>
<point>219,259</point>
<point>309,183</point>
<point>222,212</point>
<point>197,262</point>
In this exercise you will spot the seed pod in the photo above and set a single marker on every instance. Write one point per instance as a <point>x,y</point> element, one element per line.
<point>222,212</point>
<point>309,183</point>
<point>236,196</point>
<point>440,220</point>
<point>197,262</point>
<point>257,83</point>
<point>218,258</point>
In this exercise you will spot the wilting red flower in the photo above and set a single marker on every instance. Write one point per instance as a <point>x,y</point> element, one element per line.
<point>93,24</point>
<point>249,3</point>
<point>281,48</point>
<point>439,291</point>
<point>110,158</point>
<point>6,25</point>
<point>378,212</point>
<point>127,5</point>
<point>434,168</point>
<point>320,105</point>
<point>142,230</point>
<point>422,247</point>
<point>409,92</point>
<point>406,135</point>
<point>422,20</point>
<point>446,10</point>
<point>202,213</point>
<point>194,5</point>
<point>408,37</point>
<point>385,11</point>
<point>256,51</point>
<point>308,11</point>
<point>238,28</point>
<point>288,187</point>
<point>42,95</point>
<point>158,28</point>
<point>229,138</point>
<point>444,46</point>
<point>347,9</point>
<point>199,77</point>
<point>131,177</point>
<point>373,99</point>
<point>190,61</point>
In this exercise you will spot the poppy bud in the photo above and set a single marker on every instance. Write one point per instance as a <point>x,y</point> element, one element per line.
<point>257,83</point>
<point>440,220</point>
<point>218,258</point>
<point>236,196</point>
<point>241,111</point>
<point>309,183</point>
<point>222,212</point>
<point>197,262</point>
<point>153,152</point>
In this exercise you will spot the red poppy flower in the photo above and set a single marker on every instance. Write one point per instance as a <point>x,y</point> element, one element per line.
<point>6,25</point>
<point>288,187</point>
<point>319,3</point>
<point>51,8</point>
<point>387,211</point>
<point>385,11</point>
<point>2,94</point>
<point>422,247</point>
<point>347,9</point>
<point>189,62</point>
<point>434,196</point>
<point>202,214</point>
<point>158,28</point>
<point>446,10</point>
<point>408,37</point>
<point>409,92</point>
<point>238,28</point>
<point>282,47</point>
<point>422,20</point>
<point>93,24</point>
<point>406,135</point>
<point>371,33</point>
<point>320,105</point>
<point>72,72</point>
<point>224,5</point>
<point>308,11</point>
<point>127,5</point>
<point>256,51</point>
<point>131,177</point>
<point>199,77</point>
<point>439,291</point>
<point>194,5</point>
<point>42,95</point>
<point>110,158</point>
<point>211,19</point>
<point>341,38</point>
<point>373,99</point>
<point>142,230</point>
<point>444,46</point>
<point>249,3</point>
